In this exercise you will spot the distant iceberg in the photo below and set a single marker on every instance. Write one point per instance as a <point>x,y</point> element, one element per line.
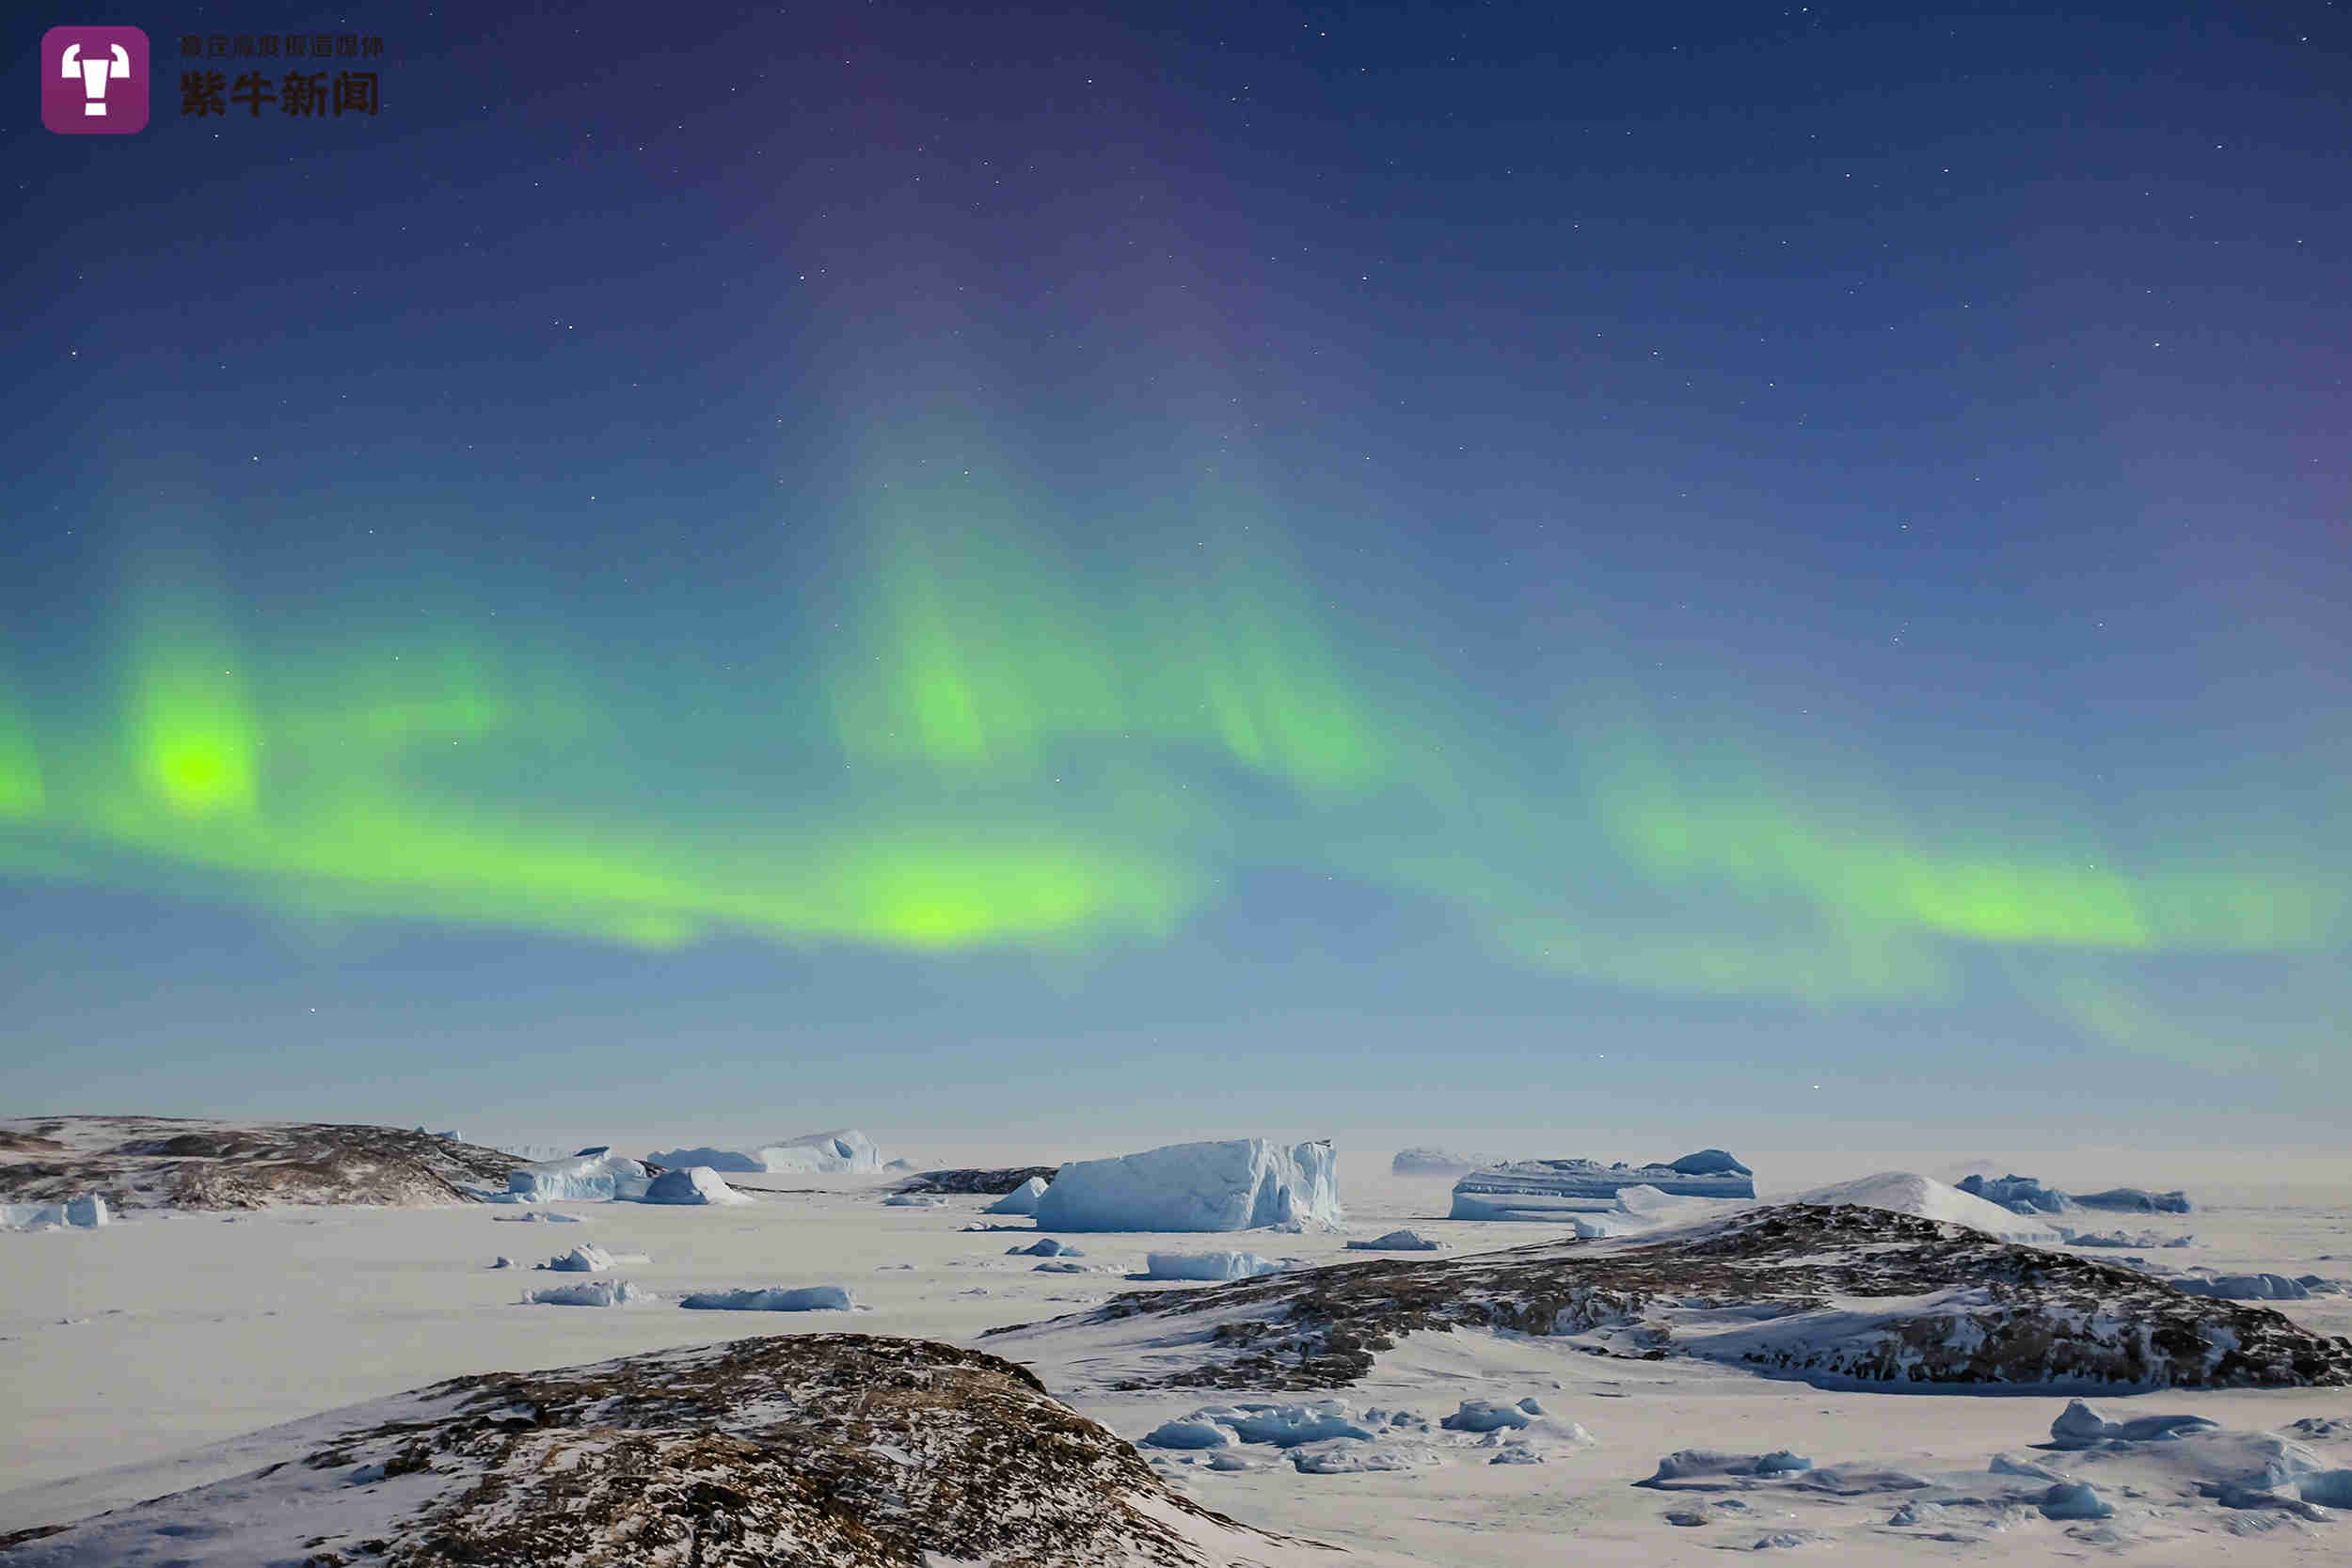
<point>842,1150</point>
<point>594,1177</point>
<point>807,1298</point>
<point>1423,1160</point>
<point>1240,1184</point>
<point>693,1184</point>
<point>1556,1189</point>
<point>2020,1194</point>
<point>86,1213</point>
<point>2136,1201</point>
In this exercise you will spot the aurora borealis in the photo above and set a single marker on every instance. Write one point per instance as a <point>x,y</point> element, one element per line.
<point>1271,534</point>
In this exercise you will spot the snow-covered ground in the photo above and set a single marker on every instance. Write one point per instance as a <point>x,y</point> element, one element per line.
<point>145,1357</point>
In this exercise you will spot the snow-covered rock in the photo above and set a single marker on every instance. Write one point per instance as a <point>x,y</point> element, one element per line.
<point>1021,1200</point>
<point>1423,1160</point>
<point>807,1298</point>
<point>598,1292</point>
<point>595,1177</point>
<point>1907,1192</point>
<point>1395,1241</point>
<point>693,1184</point>
<point>1207,1265</point>
<point>842,1150</point>
<point>587,1257</point>
<point>1553,1190</point>
<point>85,1213</point>
<point>1240,1184</point>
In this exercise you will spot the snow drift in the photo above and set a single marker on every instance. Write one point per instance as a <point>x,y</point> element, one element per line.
<point>1240,1184</point>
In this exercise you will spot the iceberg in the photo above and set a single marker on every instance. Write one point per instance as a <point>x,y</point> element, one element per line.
<point>2020,1195</point>
<point>1709,1162</point>
<point>2136,1201</point>
<point>1207,1265</point>
<point>844,1150</point>
<point>601,1292</point>
<point>1424,1160</point>
<point>1021,1200</point>
<point>86,1213</point>
<point>594,1176</point>
<point>1395,1241</point>
<point>1240,1184</point>
<point>693,1184</point>
<point>808,1298</point>
<point>1556,1189</point>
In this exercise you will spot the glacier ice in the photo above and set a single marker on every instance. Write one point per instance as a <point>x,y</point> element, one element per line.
<point>595,1176</point>
<point>1238,1184</point>
<point>693,1184</point>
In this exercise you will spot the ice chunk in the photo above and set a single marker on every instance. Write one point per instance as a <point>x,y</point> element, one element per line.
<point>1556,1189</point>
<point>1685,1463</point>
<point>1021,1200</point>
<point>596,1293</point>
<point>1191,1432</point>
<point>1046,1247</point>
<point>1235,1186</point>
<point>587,1257</point>
<point>2081,1425</point>
<point>1207,1265</point>
<point>85,1213</point>
<point>843,1149</point>
<point>1395,1241</point>
<point>503,1262</point>
<point>592,1176</point>
<point>1905,1193</point>
<point>807,1298</point>
<point>1709,1162</point>
<point>2075,1499</point>
<point>693,1184</point>
<point>1486,1416</point>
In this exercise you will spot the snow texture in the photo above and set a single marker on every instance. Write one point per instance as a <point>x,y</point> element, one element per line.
<point>1207,1265</point>
<point>594,1177</point>
<point>1021,1200</point>
<point>807,1298</point>
<point>1906,1192</point>
<point>1240,1184</point>
<point>693,1184</point>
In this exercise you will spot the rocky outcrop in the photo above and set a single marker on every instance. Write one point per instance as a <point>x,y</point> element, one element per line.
<point>1844,1295</point>
<point>822,1450</point>
<point>167,1163</point>
<point>995,1183</point>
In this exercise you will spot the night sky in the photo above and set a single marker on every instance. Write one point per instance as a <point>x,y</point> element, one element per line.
<point>1545,570</point>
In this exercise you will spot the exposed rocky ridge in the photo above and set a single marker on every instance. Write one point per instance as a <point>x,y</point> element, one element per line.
<point>821,1450</point>
<point>173,1162</point>
<point>1840,1293</point>
<point>995,1183</point>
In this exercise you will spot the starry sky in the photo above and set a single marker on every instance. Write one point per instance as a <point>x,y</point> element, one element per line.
<point>1508,572</point>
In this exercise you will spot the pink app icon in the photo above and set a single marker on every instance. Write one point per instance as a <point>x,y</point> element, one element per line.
<point>93,81</point>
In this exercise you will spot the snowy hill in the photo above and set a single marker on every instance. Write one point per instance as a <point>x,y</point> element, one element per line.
<point>826,1451</point>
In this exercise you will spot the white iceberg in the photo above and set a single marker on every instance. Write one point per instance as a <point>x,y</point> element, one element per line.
<point>1207,1265</point>
<point>842,1150</point>
<point>1395,1241</point>
<point>596,1175</point>
<point>1021,1200</point>
<point>599,1292</point>
<point>86,1213</point>
<point>693,1184</point>
<point>1423,1160</point>
<point>1239,1184</point>
<point>1906,1192</point>
<point>807,1298</point>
